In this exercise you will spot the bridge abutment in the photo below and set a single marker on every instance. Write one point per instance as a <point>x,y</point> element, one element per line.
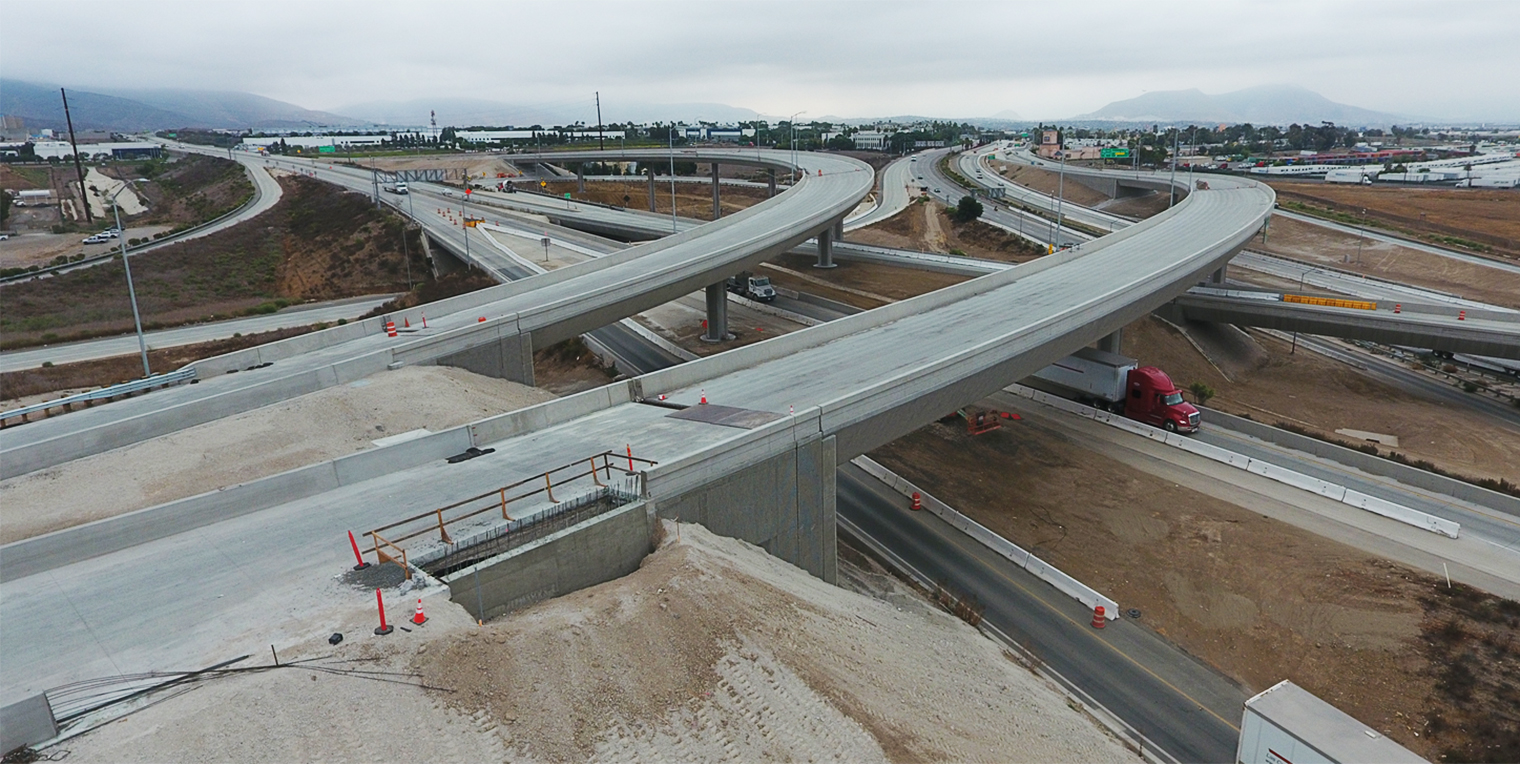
<point>509,358</point>
<point>784,505</point>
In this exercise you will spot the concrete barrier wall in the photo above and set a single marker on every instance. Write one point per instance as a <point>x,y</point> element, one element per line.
<point>1374,465</point>
<point>600,549</point>
<point>1268,470</point>
<point>70,545</point>
<point>549,413</point>
<point>1046,572</point>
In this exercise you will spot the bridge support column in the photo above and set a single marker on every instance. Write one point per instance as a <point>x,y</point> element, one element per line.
<point>717,313</point>
<point>509,358</point>
<point>825,248</point>
<point>784,504</point>
<point>650,172</point>
<point>1112,343</point>
<point>580,178</point>
<point>717,207</point>
<point>1218,277</point>
<point>770,181</point>
<point>839,230</point>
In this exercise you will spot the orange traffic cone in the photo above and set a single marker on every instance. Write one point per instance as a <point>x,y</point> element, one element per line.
<point>704,398</point>
<point>1398,308</point>
<point>1461,315</point>
<point>419,618</point>
<point>406,323</point>
<point>1099,620</point>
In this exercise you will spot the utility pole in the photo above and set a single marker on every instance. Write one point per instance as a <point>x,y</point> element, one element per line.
<point>1176,137</point>
<point>671,137</point>
<point>601,138</point>
<point>78,167</point>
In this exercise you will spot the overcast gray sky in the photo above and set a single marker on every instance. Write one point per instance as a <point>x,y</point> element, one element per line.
<point>1453,59</point>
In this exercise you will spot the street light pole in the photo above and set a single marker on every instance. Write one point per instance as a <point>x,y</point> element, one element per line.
<point>1176,136</point>
<point>1060,197</point>
<point>792,124</point>
<point>671,137</point>
<point>142,343</point>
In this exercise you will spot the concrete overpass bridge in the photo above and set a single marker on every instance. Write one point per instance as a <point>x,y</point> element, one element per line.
<point>492,331</point>
<point>1439,327</point>
<point>757,462</point>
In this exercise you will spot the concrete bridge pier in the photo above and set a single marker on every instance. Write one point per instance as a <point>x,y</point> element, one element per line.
<point>1112,343</point>
<point>770,181</point>
<point>785,505</point>
<point>825,248</point>
<point>717,313</point>
<point>650,172</point>
<point>580,178</point>
<point>1218,277</point>
<point>717,208</point>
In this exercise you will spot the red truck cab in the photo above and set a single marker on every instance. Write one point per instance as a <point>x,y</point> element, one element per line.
<point>1153,399</point>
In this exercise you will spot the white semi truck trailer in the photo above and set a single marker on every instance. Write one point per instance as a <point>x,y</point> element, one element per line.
<point>1288,725</point>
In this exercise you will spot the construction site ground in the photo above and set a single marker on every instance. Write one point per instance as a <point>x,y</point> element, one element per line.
<point>711,651</point>
<point>1213,568</point>
<point>693,200</point>
<point>924,226</point>
<point>1487,216</point>
<point>311,428</point>
<point>1336,249</point>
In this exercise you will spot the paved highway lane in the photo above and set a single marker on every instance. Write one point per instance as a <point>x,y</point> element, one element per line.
<point>896,182</point>
<point>300,315</point>
<point>1180,705</point>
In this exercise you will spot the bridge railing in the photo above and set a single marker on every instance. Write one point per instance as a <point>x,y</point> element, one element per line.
<point>594,473</point>
<point>187,374</point>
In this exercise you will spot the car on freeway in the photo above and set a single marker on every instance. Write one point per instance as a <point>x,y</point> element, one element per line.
<point>936,190</point>
<point>96,239</point>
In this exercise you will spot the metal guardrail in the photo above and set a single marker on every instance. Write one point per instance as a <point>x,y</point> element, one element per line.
<point>187,374</point>
<point>388,549</point>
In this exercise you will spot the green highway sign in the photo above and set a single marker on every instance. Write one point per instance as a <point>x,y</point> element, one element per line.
<point>1115,153</point>
<point>326,149</point>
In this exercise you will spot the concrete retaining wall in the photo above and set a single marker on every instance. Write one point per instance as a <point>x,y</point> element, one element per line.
<point>600,549</point>
<point>1374,465</point>
<point>773,488</point>
<point>70,545</point>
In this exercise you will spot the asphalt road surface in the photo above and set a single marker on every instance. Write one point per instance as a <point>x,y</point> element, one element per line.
<point>1178,704</point>
<point>188,335</point>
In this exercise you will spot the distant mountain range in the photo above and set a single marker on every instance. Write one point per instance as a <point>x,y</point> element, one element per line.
<point>138,110</point>
<point>462,112</point>
<point>1263,105</point>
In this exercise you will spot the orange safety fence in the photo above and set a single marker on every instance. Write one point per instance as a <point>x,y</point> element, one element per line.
<point>1330,302</point>
<point>388,549</point>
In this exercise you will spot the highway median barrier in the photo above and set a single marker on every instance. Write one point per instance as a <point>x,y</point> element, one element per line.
<point>1064,583</point>
<point>1332,491</point>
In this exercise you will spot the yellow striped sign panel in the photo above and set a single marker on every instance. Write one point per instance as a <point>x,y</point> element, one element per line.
<point>1330,302</point>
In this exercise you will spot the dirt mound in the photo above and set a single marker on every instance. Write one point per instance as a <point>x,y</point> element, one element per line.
<point>716,651</point>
